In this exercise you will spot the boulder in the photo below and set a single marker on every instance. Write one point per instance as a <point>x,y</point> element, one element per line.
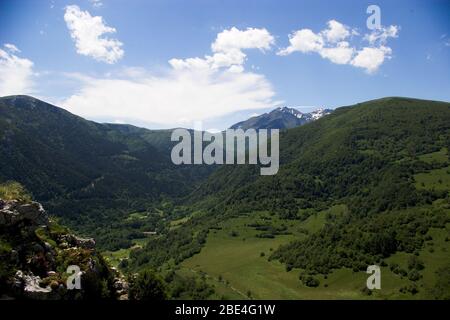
<point>13,212</point>
<point>74,241</point>
<point>86,243</point>
<point>28,284</point>
<point>121,287</point>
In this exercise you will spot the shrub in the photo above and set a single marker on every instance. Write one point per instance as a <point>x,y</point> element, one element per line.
<point>415,264</point>
<point>147,286</point>
<point>12,190</point>
<point>310,281</point>
<point>414,275</point>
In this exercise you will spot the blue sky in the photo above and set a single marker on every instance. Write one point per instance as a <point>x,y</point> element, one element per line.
<point>111,60</point>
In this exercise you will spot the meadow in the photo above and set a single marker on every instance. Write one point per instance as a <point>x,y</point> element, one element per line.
<point>236,263</point>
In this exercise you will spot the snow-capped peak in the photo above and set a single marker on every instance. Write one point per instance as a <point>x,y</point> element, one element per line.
<point>319,113</point>
<point>313,115</point>
<point>282,118</point>
<point>289,110</point>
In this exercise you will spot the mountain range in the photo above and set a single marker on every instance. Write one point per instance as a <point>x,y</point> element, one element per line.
<point>365,184</point>
<point>281,118</point>
<point>368,184</point>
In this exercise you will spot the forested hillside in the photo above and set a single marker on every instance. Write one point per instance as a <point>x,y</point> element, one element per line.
<point>385,162</point>
<point>367,184</point>
<point>92,175</point>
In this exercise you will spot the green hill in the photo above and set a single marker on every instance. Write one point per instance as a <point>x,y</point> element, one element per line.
<point>367,184</point>
<point>385,162</point>
<point>91,174</point>
<point>345,154</point>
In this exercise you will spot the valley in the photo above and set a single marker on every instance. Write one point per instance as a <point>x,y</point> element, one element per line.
<point>367,184</point>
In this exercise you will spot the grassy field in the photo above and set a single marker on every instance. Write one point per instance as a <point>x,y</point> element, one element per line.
<point>114,257</point>
<point>440,156</point>
<point>235,260</point>
<point>176,223</point>
<point>240,259</point>
<point>236,263</point>
<point>437,179</point>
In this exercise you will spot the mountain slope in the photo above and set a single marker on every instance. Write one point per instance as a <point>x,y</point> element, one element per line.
<point>281,118</point>
<point>336,155</point>
<point>375,180</point>
<point>89,173</point>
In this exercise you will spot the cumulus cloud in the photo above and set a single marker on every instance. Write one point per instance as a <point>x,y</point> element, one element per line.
<point>192,89</point>
<point>337,31</point>
<point>371,58</point>
<point>333,44</point>
<point>303,41</point>
<point>342,53</point>
<point>252,38</point>
<point>88,32</point>
<point>227,50</point>
<point>16,74</point>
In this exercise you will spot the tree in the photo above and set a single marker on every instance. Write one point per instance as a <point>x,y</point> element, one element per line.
<point>147,286</point>
<point>414,275</point>
<point>309,280</point>
<point>415,264</point>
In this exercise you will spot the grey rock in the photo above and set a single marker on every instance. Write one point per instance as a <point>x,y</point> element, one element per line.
<point>28,286</point>
<point>87,243</point>
<point>74,241</point>
<point>13,212</point>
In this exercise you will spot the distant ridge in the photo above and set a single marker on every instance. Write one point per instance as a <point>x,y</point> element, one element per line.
<point>281,118</point>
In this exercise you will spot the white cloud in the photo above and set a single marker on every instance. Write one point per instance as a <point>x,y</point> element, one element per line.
<point>333,44</point>
<point>371,58</point>
<point>381,35</point>
<point>227,49</point>
<point>178,98</point>
<point>193,89</point>
<point>251,38</point>
<point>16,74</point>
<point>12,48</point>
<point>336,31</point>
<point>303,41</point>
<point>88,33</point>
<point>342,53</point>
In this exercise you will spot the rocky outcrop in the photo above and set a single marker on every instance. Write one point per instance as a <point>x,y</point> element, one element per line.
<point>35,252</point>
<point>74,241</point>
<point>29,286</point>
<point>120,285</point>
<point>13,213</point>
